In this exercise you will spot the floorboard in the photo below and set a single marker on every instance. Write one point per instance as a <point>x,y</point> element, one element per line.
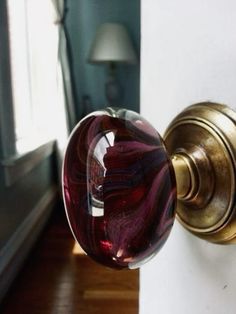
<point>59,279</point>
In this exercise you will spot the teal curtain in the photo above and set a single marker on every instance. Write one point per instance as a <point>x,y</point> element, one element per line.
<point>59,6</point>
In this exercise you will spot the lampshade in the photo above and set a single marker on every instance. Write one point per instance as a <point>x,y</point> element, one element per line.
<point>112,44</point>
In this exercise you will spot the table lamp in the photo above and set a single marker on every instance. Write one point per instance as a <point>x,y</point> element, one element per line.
<point>112,45</point>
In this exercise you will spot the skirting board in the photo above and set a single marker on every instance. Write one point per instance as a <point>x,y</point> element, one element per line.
<point>15,251</point>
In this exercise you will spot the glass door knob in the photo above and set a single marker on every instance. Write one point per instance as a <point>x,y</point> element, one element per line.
<point>122,184</point>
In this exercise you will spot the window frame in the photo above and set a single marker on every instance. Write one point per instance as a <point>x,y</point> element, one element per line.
<point>7,125</point>
<point>14,165</point>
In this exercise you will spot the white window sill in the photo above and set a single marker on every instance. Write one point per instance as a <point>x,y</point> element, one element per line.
<point>17,166</point>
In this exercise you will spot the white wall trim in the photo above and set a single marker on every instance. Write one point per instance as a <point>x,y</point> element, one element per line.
<point>18,166</point>
<point>16,249</point>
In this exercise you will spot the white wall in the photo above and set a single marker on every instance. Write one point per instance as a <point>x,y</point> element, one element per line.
<point>188,55</point>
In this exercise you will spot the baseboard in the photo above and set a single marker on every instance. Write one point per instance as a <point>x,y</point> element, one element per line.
<point>17,248</point>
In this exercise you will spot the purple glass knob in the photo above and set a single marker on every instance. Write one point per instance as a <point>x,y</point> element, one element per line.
<point>119,188</point>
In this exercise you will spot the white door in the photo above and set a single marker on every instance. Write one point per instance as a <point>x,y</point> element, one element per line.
<point>188,55</point>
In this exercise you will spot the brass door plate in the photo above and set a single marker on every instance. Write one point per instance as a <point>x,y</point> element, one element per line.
<point>205,135</point>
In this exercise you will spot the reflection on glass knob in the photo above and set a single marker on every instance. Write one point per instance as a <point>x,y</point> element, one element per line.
<point>119,188</point>
<point>119,181</point>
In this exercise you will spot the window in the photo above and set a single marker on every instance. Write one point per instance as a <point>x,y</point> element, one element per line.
<point>38,98</point>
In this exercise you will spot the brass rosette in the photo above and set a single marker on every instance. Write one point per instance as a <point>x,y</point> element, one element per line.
<point>204,136</point>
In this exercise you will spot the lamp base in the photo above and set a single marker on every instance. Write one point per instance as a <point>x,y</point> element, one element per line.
<point>113,89</point>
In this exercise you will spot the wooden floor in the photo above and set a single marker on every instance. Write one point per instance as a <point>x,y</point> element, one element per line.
<point>58,279</point>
